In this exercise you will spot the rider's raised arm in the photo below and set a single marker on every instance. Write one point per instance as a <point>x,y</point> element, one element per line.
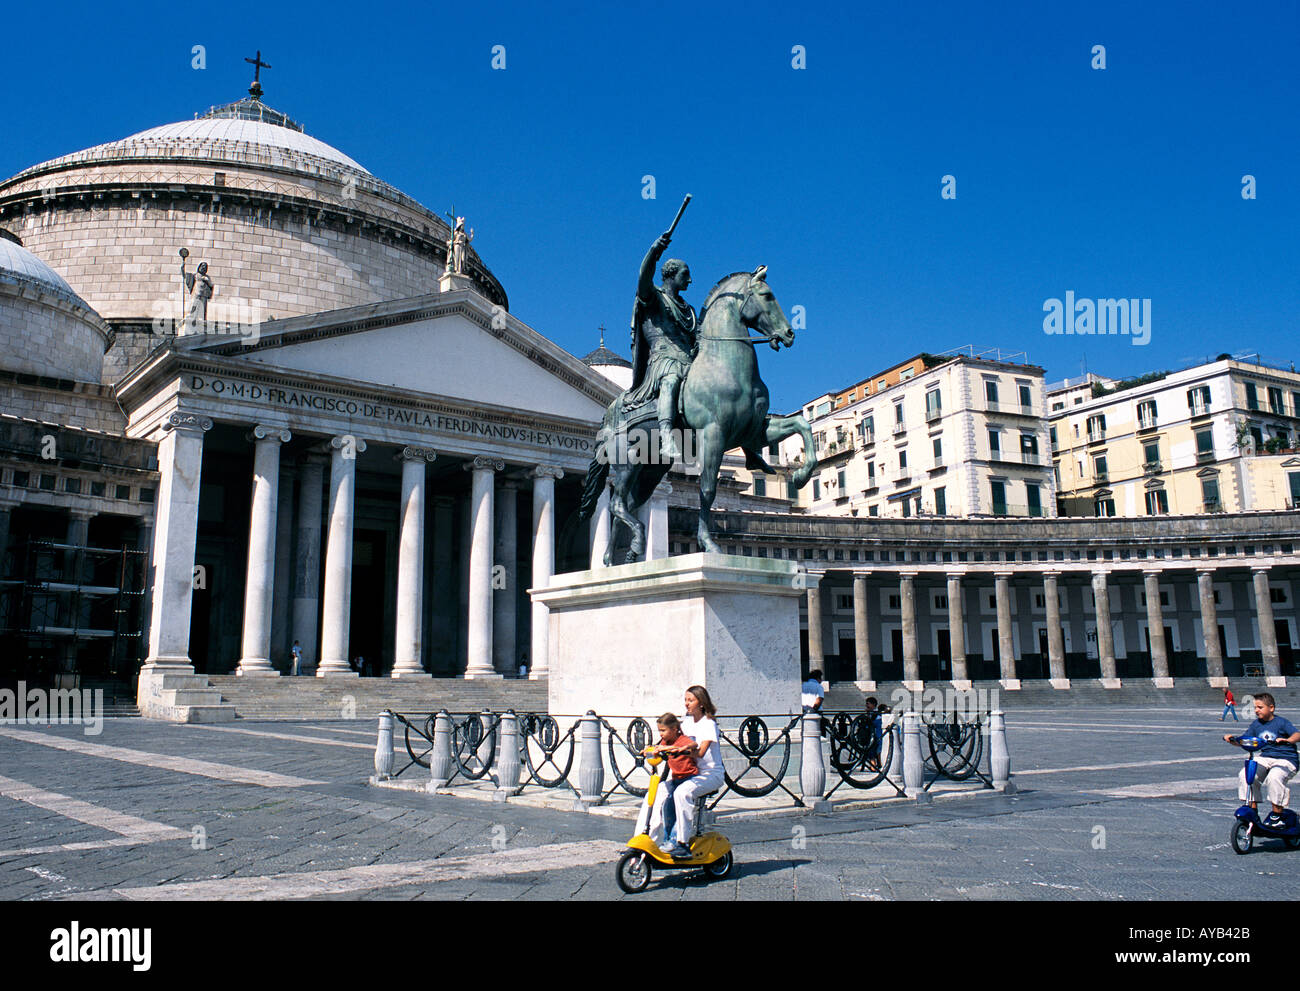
<point>645,287</point>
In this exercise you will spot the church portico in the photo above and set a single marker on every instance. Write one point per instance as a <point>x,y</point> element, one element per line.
<point>400,503</point>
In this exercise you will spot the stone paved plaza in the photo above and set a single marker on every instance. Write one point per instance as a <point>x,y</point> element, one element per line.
<point>1115,803</point>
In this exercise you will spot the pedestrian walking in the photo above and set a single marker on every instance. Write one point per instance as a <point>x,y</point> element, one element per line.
<point>296,651</point>
<point>1229,705</point>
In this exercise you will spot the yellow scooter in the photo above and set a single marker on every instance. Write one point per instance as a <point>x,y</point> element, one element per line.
<point>711,851</point>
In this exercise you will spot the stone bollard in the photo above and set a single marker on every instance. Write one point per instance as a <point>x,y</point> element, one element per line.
<point>999,756</point>
<point>913,764</point>
<point>484,749</point>
<point>384,748</point>
<point>591,768</point>
<point>895,772</point>
<point>812,764</point>
<point>441,765</point>
<point>508,757</point>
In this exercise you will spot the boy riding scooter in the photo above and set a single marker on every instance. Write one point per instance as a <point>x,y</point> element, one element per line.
<point>1277,759</point>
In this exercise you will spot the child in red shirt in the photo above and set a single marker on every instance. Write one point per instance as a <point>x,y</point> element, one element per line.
<point>674,746</point>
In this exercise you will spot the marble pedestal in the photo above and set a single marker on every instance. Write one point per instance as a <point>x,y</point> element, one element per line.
<point>628,640</point>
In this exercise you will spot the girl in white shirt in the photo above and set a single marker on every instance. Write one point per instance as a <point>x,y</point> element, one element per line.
<point>701,726</point>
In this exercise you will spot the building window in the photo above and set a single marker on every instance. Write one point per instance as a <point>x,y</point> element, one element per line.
<point>1275,401</point>
<point>873,511</point>
<point>1100,470</point>
<point>933,405</point>
<point>22,479</point>
<point>1097,426</point>
<point>1104,507</point>
<point>1198,400</point>
<point>72,485</point>
<point>760,485</point>
<point>938,451</point>
<point>1151,455</point>
<point>47,482</point>
<point>995,444</point>
<point>1210,495</point>
<point>1292,477</point>
<point>867,429</point>
<point>823,408</point>
<point>871,474</point>
<point>146,495</point>
<point>1252,396</point>
<point>1157,502</point>
<point>1205,444</point>
<point>941,501</point>
<point>1051,436</point>
<point>1035,499</point>
<point>898,414</point>
<point>1026,396</point>
<point>1146,414</point>
<point>1029,448</point>
<point>97,488</point>
<point>1295,404</point>
<point>902,462</point>
<point>907,508</point>
<point>122,492</point>
<point>843,484</point>
<point>999,493</point>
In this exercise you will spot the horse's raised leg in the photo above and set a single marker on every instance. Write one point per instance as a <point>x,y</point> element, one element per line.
<point>710,443</point>
<point>781,427</point>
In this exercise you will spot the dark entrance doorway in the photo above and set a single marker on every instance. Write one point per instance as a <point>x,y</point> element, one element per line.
<point>1285,655</point>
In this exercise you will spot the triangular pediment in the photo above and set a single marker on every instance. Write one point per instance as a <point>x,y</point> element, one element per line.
<point>439,346</point>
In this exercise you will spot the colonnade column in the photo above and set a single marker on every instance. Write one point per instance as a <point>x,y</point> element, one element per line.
<point>544,477</point>
<point>408,650</point>
<point>1006,643</point>
<point>479,634</point>
<point>505,514</point>
<point>1210,629</point>
<point>1267,631</point>
<point>911,643</point>
<point>336,606</point>
<point>600,529</point>
<point>306,569</point>
<point>281,596</point>
<point>259,586</point>
<point>1055,634</point>
<point>180,463</point>
<point>957,630</point>
<point>862,629</point>
<point>1105,632</point>
<point>816,650</point>
<point>1156,627</point>
<point>656,541</point>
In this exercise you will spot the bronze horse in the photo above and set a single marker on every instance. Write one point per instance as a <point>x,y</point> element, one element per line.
<point>723,406</point>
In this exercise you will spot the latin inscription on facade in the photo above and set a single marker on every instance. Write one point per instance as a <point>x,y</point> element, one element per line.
<point>382,412</point>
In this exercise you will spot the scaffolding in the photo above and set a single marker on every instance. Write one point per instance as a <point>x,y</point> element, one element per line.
<point>73,616</point>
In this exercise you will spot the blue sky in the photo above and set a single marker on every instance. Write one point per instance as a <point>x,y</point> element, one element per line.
<point>1117,182</point>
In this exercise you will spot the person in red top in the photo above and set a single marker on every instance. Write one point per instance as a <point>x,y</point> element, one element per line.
<point>675,746</point>
<point>1229,705</point>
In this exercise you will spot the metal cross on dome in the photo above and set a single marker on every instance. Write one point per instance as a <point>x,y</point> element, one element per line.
<point>255,91</point>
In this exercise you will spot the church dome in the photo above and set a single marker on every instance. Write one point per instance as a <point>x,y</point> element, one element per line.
<point>288,224</point>
<point>613,366</point>
<point>46,329</point>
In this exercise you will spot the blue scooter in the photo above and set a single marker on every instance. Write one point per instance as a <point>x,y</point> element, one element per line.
<point>1248,824</point>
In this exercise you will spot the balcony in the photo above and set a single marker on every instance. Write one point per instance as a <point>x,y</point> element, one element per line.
<point>933,414</point>
<point>836,448</point>
<point>1152,468</point>
<point>868,438</point>
<point>1101,477</point>
<point>1147,423</point>
<point>1204,457</point>
<point>938,464</point>
<point>1029,457</point>
<point>900,428</point>
<point>903,476</point>
<point>1212,506</point>
<point>1096,436</point>
<point>1200,409</point>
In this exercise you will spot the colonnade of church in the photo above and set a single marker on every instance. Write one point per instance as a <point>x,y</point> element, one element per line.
<point>325,513</point>
<point>1159,612</point>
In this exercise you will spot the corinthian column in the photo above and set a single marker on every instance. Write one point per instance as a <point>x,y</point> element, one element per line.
<point>1156,631</point>
<point>1267,631</point>
<point>410,564</point>
<point>957,631</point>
<point>1210,629</point>
<point>1006,642</point>
<point>1055,634</point>
<point>544,477</point>
<point>337,604</point>
<point>862,630</point>
<point>1105,631</point>
<point>259,586</point>
<point>479,637</point>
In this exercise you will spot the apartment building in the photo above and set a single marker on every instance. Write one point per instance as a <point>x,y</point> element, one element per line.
<point>957,435</point>
<point>1217,437</point>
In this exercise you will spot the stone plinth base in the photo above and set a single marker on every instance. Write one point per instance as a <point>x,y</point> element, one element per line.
<point>483,676</point>
<point>1061,684</point>
<point>1275,681</point>
<point>1218,682</point>
<point>450,281</point>
<point>327,673</point>
<point>914,686</point>
<point>1111,683</point>
<point>1163,682</point>
<point>963,686</point>
<point>866,686</point>
<point>1010,684</point>
<point>628,640</point>
<point>173,692</point>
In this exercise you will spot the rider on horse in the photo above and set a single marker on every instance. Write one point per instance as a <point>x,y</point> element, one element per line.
<point>663,341</point>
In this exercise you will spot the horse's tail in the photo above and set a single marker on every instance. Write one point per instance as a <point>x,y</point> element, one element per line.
<point>597,474</point>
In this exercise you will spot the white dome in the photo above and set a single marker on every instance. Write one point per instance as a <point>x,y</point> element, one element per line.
<point>19,266</point>
<point>227,139</point>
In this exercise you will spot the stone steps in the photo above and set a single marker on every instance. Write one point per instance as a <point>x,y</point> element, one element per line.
<point>365,698</point>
